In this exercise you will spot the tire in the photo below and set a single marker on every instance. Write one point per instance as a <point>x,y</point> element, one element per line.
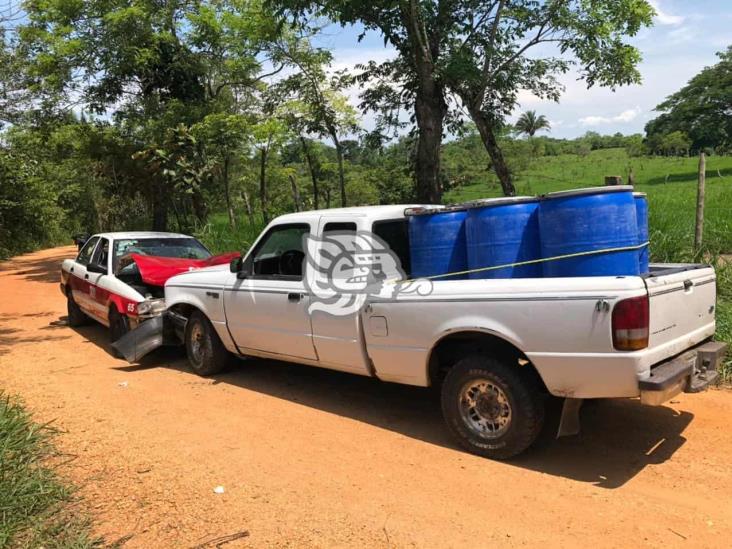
<point>119,324</point>
<point>493,409</point>
<point>206,354</point>
<point>75,316</point>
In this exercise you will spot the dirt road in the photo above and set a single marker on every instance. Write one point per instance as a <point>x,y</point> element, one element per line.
<point>309,457</point>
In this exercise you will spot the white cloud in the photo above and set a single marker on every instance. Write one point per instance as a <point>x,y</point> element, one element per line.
<point>663,17</point>
<point>624,117</point>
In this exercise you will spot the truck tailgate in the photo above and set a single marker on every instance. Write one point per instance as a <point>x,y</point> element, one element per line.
<point>682,304</point>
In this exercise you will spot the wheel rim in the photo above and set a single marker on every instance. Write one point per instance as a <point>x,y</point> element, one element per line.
<point>485,408</point>
<point>198,342</point>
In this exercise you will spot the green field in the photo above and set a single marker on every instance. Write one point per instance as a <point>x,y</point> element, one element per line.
<point>669,182</point>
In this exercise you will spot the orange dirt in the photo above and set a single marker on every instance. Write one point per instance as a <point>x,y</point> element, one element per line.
<point>309,457</point>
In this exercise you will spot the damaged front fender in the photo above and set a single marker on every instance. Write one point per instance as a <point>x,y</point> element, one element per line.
<point>144,339</point>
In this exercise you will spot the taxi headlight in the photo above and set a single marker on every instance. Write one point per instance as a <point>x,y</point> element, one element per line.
<point>151,307</point>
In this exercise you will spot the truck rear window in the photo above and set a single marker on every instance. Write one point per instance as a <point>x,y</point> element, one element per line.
<point>395,232</point>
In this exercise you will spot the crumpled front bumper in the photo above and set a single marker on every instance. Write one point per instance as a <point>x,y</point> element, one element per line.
<point>165,329</point>
<point>691,372</point>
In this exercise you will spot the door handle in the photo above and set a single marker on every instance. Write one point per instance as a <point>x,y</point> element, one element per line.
<point>294,297</point>
<point>86,276</point>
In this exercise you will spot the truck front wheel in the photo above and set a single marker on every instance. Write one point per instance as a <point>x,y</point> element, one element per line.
<point>206,354</point>
<point>492,408</point>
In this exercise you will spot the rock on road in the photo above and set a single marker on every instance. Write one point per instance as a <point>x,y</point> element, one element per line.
<point>309,457</point>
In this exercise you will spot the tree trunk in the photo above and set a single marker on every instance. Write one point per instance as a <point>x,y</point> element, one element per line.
<point>248,204</point>
<point>430,111</point>
<point>311,168</point>
<point>295,194</point>
<point>159,207</point>
<point>494,151</point>
<point>263,184</point>
<point>227,194</point>
<point>341,176</point>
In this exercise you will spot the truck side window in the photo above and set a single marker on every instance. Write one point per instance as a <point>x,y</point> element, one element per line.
<point>85,254</point>
<point>280,254</point>
<point>339,227</point>
<point>395,232</point>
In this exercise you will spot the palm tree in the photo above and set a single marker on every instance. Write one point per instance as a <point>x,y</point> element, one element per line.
<point>529,123</point>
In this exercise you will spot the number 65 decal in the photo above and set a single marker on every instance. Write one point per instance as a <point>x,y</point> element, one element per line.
<point>130,307</point>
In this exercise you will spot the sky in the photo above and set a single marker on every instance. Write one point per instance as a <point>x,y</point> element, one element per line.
<point>683,40</point>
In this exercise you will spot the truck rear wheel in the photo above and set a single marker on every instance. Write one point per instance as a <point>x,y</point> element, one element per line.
<point>75,316</point>
<point>206,354</point>
<point>493,409</point>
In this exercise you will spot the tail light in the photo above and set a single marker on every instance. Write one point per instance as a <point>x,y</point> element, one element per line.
<point>630,324</point>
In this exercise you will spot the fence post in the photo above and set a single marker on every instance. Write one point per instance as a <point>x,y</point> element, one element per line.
<point>698,231</point>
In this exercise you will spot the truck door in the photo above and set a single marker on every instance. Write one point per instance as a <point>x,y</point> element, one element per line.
<point>79,279</point>
<point>267,309</point>
<point>339,339</point>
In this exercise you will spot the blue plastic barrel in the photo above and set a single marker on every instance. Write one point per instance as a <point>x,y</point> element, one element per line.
<point>585,220</point>
<point>437,242</point>
<point>501,231</point>
<point>641,212</point>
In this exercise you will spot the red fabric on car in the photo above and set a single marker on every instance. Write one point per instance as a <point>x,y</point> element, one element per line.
<point>155,270</point>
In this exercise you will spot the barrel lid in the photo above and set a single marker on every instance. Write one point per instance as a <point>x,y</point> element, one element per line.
<point>501,201</point>
<point>640,195</point>
<point>589,190</point>
<point>433,209</point>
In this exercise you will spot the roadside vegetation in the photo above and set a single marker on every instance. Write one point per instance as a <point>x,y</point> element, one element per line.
<point>37,506</point>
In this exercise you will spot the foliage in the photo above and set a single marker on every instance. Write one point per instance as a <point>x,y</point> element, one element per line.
<point>529,123</point>
<point>37,507</point>
<point>700,109</point>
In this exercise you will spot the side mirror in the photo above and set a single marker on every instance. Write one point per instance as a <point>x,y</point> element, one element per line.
<point>235,265</point>
<point>96,268</point>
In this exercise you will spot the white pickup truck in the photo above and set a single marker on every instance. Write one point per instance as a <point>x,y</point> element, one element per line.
<point>495,348</point>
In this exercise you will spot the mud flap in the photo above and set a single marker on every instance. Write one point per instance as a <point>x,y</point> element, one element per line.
<point>569,424</point>
<point>144,339</point>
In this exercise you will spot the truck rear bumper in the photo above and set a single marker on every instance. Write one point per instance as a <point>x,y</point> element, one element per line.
<point>691,372</point>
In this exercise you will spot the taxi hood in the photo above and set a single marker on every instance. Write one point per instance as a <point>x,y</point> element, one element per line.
<point>156,270</point>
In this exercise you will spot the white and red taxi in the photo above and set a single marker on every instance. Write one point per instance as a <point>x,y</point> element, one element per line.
<point>118,278</point>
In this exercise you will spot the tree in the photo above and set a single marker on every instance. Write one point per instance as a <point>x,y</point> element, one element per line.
<point>502,46</point>
<point>701,108</point>
<point>483,53</point>
<point>528,123</point>
<point>151,65</point>
<point>225,136</point>
<point>417,31</point>
<point>676,143</point>
<point>321,109</point>
<point>269,132</point>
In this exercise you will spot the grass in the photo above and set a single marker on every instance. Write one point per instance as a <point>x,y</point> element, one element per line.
<point>219,237</point>
<point>37,508</point>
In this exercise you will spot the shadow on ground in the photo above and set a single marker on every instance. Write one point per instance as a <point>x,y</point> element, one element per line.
<point>46,269</point>
<point>619,439</point>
